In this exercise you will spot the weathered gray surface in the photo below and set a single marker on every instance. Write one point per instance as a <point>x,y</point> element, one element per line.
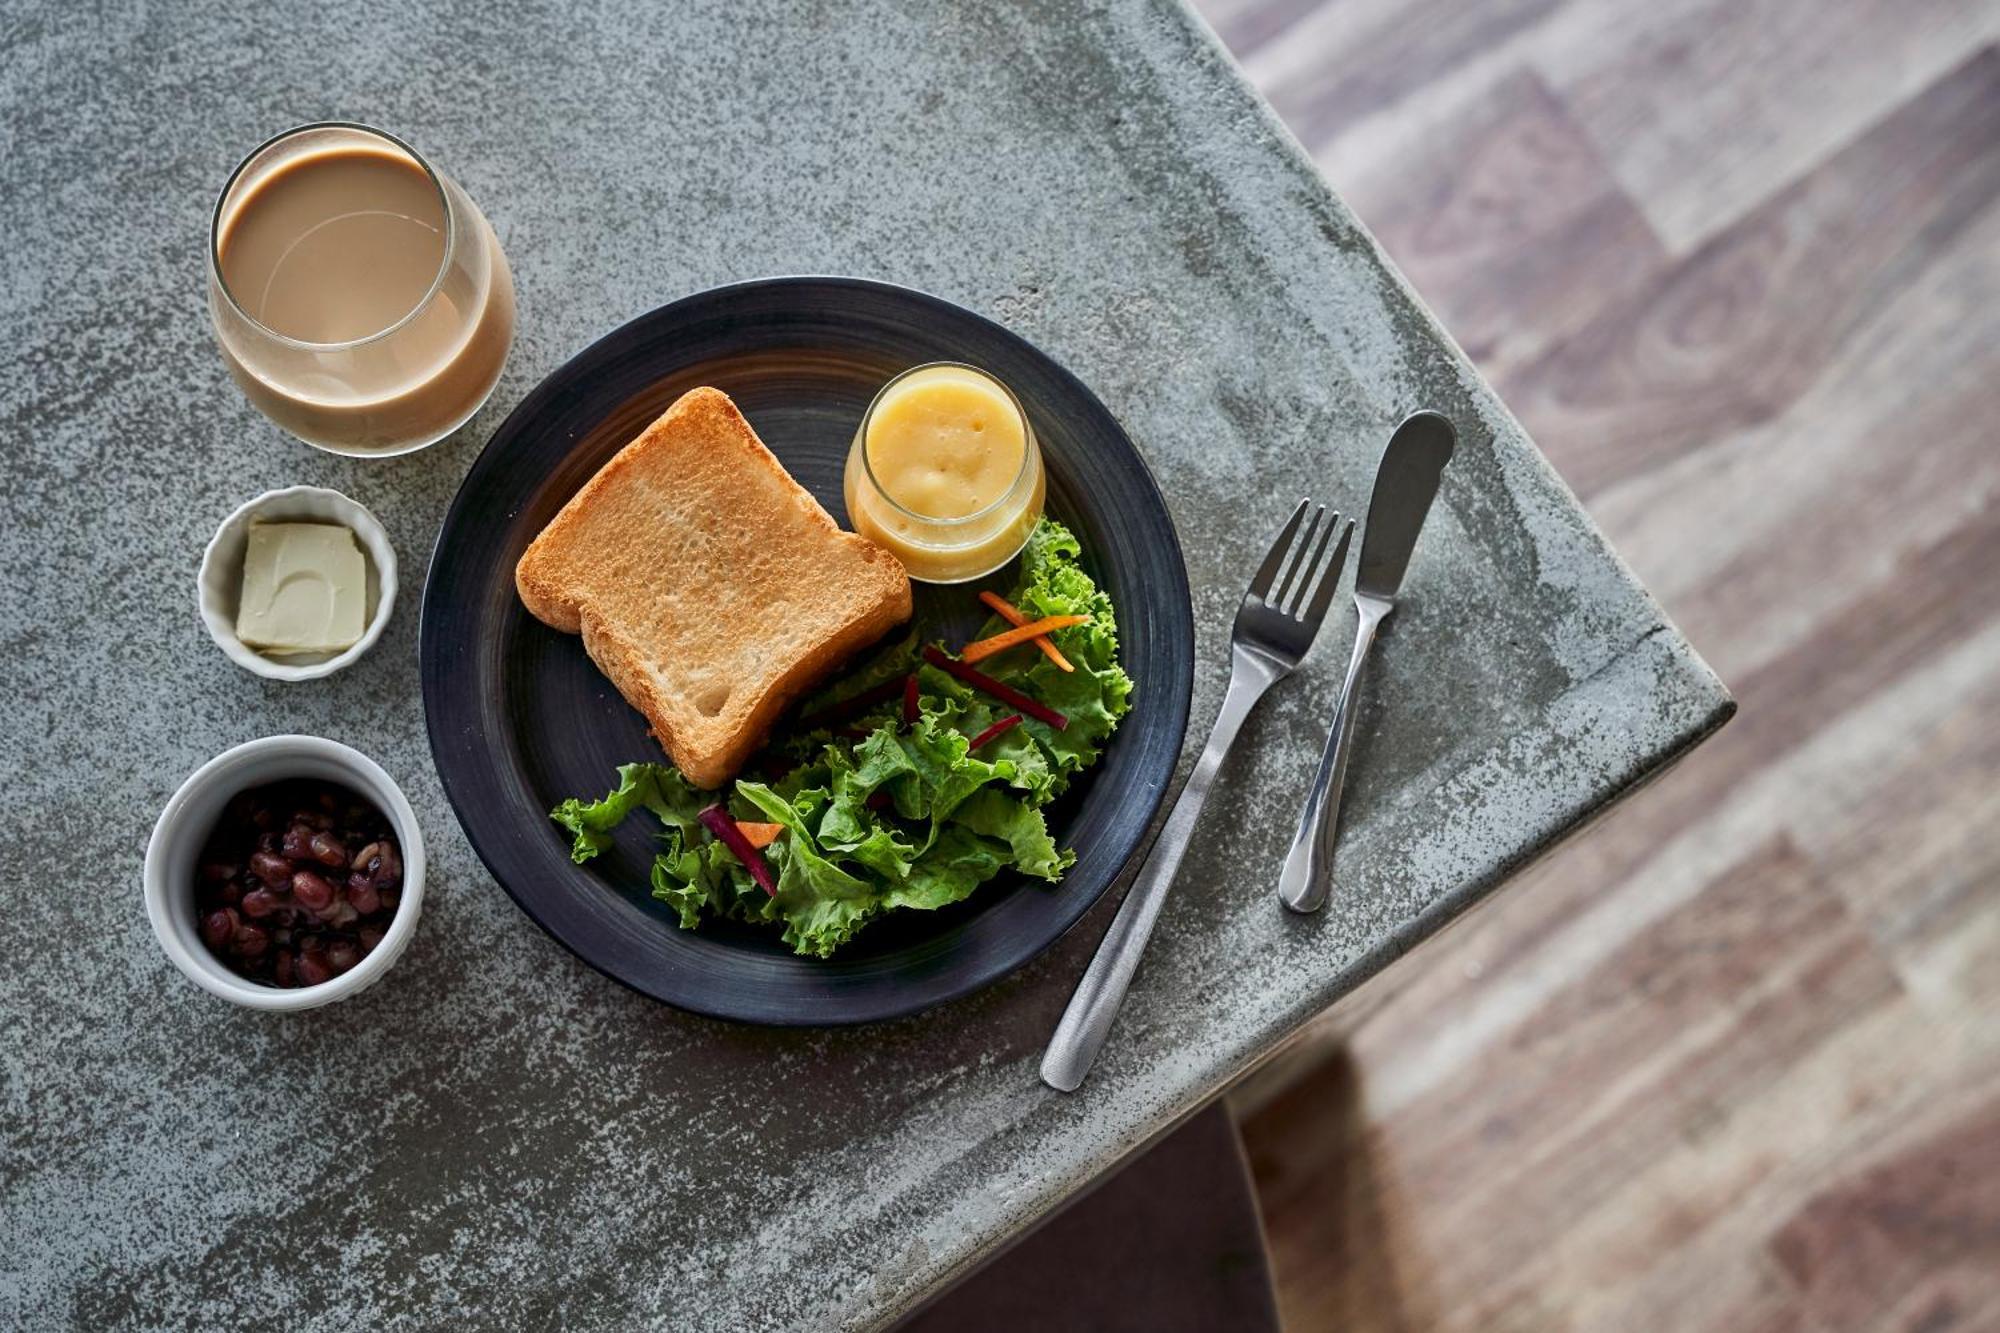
<point>496,1134</point>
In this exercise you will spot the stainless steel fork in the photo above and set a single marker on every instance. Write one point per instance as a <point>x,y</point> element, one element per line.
<point>1275,626</point>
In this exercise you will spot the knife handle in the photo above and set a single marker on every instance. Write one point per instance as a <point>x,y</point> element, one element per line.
<point>1308,873</point>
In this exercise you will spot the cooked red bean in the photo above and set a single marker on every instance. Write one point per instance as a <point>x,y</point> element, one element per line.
<point>328,850</point>
<point>314,891</point>
<point>380,864</point>
<point>217,927</point>
<point>290,855</point>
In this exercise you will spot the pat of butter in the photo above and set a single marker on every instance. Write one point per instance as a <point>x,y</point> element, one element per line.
<point>304,585</point>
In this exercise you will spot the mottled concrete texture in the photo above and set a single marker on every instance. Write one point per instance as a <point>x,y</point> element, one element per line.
<point>496,1136</point>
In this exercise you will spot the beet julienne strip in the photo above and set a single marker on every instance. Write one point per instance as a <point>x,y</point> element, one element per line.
<point>910,700</point>
<point>1000,728</point>
<point>1006,694</point>
<point>717,821</point>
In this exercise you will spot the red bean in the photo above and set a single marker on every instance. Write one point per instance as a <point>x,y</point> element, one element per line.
<point>312,890</point>
<point>342,954</point>
<point>327,850</point>
<point>274,870</point>
<point>363,896</point>
<point>297,842</point>
<point>380,863</point>
<point>311,969</point>
<point>217,872</point>
<point>250,940</point>
<point>217,927</point>
<point>259,903</point>
<point>370,937</point>
<point>281,967</point>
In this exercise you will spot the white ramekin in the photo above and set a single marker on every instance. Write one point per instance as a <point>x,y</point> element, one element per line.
<point>191,814</point>
<point>220,583</point>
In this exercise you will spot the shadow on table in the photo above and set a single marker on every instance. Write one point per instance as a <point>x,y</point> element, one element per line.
<point>1171,1244</point>
<point>1344,1258</point>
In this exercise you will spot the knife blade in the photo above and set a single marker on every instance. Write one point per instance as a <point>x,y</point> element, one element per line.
<point>1405,484</point>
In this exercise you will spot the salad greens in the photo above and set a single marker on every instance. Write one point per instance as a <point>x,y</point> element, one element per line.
<point>883,814</point>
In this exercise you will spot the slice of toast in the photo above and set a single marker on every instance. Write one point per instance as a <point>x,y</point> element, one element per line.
<point>707,584</point>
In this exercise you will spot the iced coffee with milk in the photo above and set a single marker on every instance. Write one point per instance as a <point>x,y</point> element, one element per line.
<point>360,297</point>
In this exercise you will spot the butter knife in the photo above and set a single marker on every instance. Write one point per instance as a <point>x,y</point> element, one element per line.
<point>1405,484</point>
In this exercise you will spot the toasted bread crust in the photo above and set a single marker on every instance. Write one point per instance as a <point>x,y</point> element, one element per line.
<point>708,586</point>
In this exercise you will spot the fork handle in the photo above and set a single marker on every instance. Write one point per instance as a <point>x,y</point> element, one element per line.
<point>1087,1021</point>
<point>1308,874</point>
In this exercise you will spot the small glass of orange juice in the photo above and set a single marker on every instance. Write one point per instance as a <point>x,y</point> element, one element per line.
<point>945,472</point>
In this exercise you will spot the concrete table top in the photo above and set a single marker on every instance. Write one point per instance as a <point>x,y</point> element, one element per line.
<point>497,1136</point>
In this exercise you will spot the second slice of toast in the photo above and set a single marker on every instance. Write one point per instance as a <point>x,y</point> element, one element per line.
<point>708,585</point>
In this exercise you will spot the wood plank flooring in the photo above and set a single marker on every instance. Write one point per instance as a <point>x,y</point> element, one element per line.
<point>1730,1059</point>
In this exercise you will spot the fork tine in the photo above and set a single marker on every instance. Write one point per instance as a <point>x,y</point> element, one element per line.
<point>1301,578</point>
<point>1329,578</point>
<point>1260,585</point>
<point>1300,562</point>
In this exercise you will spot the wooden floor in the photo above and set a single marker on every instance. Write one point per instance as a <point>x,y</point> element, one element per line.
<point>1731,1059</point>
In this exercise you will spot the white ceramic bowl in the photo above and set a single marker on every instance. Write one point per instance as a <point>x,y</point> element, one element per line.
<point>189,817</point>
<point>220,585</point>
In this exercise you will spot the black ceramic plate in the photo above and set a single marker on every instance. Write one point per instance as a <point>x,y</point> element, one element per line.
<point>520,719</point>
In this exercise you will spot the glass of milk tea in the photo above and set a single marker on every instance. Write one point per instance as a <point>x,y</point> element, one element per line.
<point>359,295</point>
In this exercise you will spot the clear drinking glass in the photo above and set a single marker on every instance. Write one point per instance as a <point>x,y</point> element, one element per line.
<point>946,550</point>
<point>362,390</point>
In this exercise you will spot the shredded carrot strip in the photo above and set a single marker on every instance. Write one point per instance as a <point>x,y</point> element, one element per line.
<point>1005,610</point>
<point>1005,639</point>
<point>759,836</point>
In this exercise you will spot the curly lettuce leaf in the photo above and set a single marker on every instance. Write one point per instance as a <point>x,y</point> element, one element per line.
<point>656,787</point>
<point>957,862</point>
<point>993,813</point>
